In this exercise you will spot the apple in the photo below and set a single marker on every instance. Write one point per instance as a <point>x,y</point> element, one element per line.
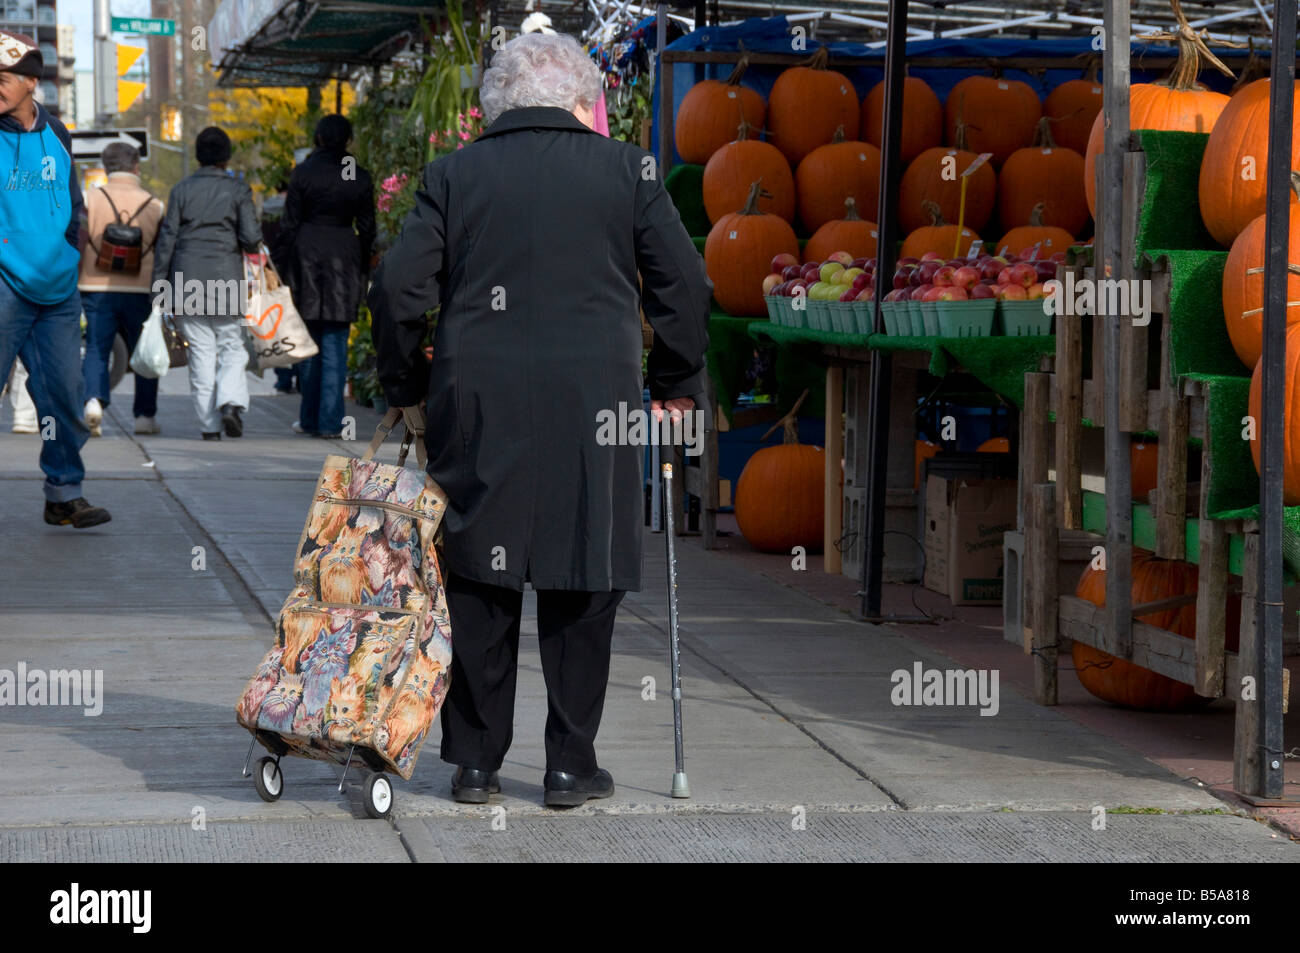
<point>861,281</point>
<point>957,262</point>
<point>1011,293</point>
<point>933,293</point>
<point>966,277</point>
<point>944,276</point>
<point>931,256</point>
<point>811,271</point>
<point>929,269</point>
<point>989,268</point>
<point>848,274</point>
<point>981,292</point>
<point>848,295</point>
<point>1025,273</point>
<point>1034,292</point>
<point>860,262</point>
<point>842,257</point>
<point>783,261</point>
<point>797,287</point>
<point>1045,270</point>
<point>830,270</point>
<point>904,294</point>
<point>866,294</point>
<point>952,293</point>
<point>903,277</point>
<point>919,292</point>
<point>908,261</point>
<point>1059,257</point>
<point>770,282</point>
<point>791,272</point>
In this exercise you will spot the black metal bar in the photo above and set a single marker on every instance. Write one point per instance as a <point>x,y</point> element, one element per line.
<point>891,171</point>
<point>1110,199</point>
<point>663,74</point>
<point>1268,604</point>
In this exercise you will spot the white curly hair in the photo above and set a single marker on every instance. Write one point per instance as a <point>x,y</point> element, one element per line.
<point>539,69</point>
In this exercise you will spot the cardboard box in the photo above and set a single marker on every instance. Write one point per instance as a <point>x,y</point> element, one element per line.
<point>965,520</point>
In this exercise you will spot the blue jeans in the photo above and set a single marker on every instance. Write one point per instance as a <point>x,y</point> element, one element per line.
<point>107,313</point>
<point>323,378</point>
<point>287,377</point>
<point>48,339</point>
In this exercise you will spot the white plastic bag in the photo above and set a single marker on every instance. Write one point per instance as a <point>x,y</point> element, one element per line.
<point>151,357</point>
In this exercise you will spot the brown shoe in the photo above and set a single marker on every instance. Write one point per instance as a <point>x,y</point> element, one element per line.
<point>77,513</point>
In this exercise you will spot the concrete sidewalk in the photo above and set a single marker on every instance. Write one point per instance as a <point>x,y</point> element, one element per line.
<point>788,712</point>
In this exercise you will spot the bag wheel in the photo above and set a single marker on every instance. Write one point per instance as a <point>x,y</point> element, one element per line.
<point>378,795</point>
<point>268,780</point>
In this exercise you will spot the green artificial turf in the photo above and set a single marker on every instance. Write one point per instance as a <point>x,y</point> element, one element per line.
<point>730,348</point>
<point>1170,216</point>
<point>685,185</point>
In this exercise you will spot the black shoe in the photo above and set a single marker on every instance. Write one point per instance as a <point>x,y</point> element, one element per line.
<point>472,786</point>
<point>329,436</point>
<point>231,421</point>
<point>569,790</point>
<point>77,513</point>
<point>212,436</point>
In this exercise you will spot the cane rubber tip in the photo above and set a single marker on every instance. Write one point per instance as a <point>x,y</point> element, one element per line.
<point>668,471</point>
<point>680,786</point>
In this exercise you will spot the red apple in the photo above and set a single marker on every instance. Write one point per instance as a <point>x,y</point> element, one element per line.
<point>798,287</point>
<point>1011,293</point>
<point>861,281</point>
<point>1034,292</point>
<point>1059,257</point>
<point>931,256</point>
<point>981,292</point>
<point>1045,270</point>
<point>842,257</point>
<point>903,277</point>
<point>952,293</point>
<point>860,262</point>
<point>1025,274</point>
<point>866,294</point>
<point>791,272</point>
<point>957,262</point>
<point>944,276</point>
<point>990,268</point>
<point>784,261</point>
<point>898,294</point>
<point>966,277</point>
<point>920,291</point>
<point>811,271</point>
<point>908,261</point>
<point>770,282</point>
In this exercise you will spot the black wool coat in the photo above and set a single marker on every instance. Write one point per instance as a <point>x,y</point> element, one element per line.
<point>326,234</point>
<point>530,239</point>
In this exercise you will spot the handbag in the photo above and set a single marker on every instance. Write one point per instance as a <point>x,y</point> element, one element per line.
<point>121,244</point>
<point>276,335</point>
<point>178,347</point>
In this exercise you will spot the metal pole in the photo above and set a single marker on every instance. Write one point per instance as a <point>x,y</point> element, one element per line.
<point>665,90</point>
<point>1268,604</point>
<point>891,171</point>
<point>105,66</point>
<point>1110,198</point>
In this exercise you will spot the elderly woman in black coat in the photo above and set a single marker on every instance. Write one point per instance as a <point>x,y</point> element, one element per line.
<point>531,239</point>
<point>326,234</point>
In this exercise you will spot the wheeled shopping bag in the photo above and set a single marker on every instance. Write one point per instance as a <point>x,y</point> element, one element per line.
<point>362,654</point>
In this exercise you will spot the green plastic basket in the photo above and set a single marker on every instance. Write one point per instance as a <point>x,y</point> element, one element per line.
<point>864,316</point>
<point>889,314</point>
<point>966,319</point>
<point>1021,318</point>
<point>930,320</point>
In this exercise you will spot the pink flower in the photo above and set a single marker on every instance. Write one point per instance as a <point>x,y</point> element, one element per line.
<point>384,202</point>
<point>464,136</point>
<point>474,112</point>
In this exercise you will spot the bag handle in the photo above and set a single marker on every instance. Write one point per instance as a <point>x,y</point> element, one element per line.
<point>413,420</point>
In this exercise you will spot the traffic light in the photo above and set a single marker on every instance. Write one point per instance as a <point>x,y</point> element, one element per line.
<point>128,91</point>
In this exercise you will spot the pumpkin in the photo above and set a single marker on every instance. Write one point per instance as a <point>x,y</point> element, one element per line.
<point>738,255</point>
<point>994,445</point>
<point>850,233</point>
<point>1234,170</point>
<point>938,237</point>
<point>780,497</point>
<point>1048,238</point>
<point>1176,104</point>
<point>1243,284</point>
<point>923,450</point>
<point>1290,416</point>
<point>1042,176</point>
<point>832,173</point>
<point>1144,472</point>
<point>935,176</point>
<point>1072,107</point>
<point>992,115</point>
<point>807,104</point>
<point>730,170</point>
<point>707,118</point>
<point>922,118</point>
<point>1121,682</point>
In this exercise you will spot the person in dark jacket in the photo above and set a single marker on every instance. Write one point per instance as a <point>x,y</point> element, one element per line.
<point>40,307</point>
<point>326,235</point>
<point>531,239</point>
<point>198,274</point>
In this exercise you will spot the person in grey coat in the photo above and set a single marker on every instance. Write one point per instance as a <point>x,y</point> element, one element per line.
<point>210,223</point>
<point>531,239</point>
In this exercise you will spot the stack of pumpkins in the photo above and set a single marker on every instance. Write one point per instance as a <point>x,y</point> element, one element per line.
<point>822,147</point>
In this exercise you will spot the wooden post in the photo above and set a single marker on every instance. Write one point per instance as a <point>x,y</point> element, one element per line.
<point>1035,433</point>
<point>1171,463</point>
<point>833,524</point>
<point>1247,754</point>
<point>1042,542</point>
<point>1069,420</point>
<point>1133,339</point>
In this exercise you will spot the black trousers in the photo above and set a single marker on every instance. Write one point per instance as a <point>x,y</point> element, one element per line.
<point>574,632</point>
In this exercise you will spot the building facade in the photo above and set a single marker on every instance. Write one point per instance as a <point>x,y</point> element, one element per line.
<point>39,20</point>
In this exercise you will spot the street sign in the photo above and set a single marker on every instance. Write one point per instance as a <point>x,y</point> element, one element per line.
<point>89,143</point>
<point>146,25</point>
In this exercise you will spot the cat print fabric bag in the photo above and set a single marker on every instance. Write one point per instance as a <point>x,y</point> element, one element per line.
<point>362,653</point>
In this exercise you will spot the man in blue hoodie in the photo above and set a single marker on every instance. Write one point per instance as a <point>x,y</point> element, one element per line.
<point>40,308</point>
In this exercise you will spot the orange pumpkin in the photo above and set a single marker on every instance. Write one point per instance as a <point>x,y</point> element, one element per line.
<point>807,104</point>
<point>832,173</point>
<point>996,115</point>
<point>935,176</point>
<point>922,118</point>
<point>1243,284</point>
<point>850,233</point>
<point>710,111</point>
<point>1042,176</point>
<point>1072,107</point>
<point>924,450</point>
<point>1121,682</point>
<point>733,167</point>
<point>1290,415</point>
<point>1234,170</point>
<point>1177,104</point>
<point>938,237</point>
<point>1048,238</point>
<point>738,255</point>
<point>1144,473</point>
<point>780,500</point>
<point>994,445</point>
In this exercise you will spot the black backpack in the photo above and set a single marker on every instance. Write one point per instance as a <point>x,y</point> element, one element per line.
<point>121,244</point>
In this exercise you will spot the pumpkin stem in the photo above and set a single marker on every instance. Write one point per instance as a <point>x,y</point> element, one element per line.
<point>1295,184</point>
<point>790,422</point>
<point>756,192</point>
<point>741,65</point>
<point>1091,68</point>
<point>1043,136</point>
<point>1036,216</point>
<point>1253,70</point>
<point>936,214</point>
<point>1192,51</point>
<point>743,131</point>
<point>839,135</point>
<point>851,210</point>
<point>819,59</point>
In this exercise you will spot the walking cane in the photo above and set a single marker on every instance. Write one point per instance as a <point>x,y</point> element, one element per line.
<point>680,786</point>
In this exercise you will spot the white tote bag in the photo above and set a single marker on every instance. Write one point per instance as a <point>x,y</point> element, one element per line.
<point>274,332</point>
<point>151,357</point>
